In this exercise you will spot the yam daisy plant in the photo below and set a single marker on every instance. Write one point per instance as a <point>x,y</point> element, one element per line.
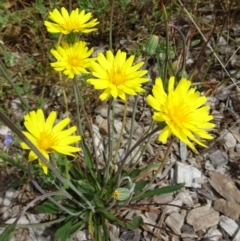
<point>72,59</point>
<point>47,137</point>
<point>183,111</point>
<point>97,181</point>
<point>65,23</point>
<point>117,75</point>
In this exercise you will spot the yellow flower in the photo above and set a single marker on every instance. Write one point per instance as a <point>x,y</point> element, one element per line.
<point>183,111</point>
<point>72,59</point>
<point>117,76</point>
<point>48,138</point>
<point>75,22</point>
<point>115,195</point>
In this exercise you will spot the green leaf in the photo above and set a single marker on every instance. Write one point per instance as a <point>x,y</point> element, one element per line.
<point>195,42</point>
<point>76,173</point>
<point>66,229</point>
<point>112,218</point>
<point>140,185</point>
<point>90,224</point>
<point>63,233</point>
<point>7,234</point>
<point>89,161</point>
<point>134,223</point>
<point>104,228</point>
<point>134,173</point>
<point>86,185</point>
<point>160,191</point>
<point>48,207</point>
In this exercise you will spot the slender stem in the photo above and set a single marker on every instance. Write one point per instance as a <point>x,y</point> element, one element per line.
<point>132,123</point>
<point>110,140</point>
<point>183,67</point>
<point>80,128</point>
<point>110,128</point>
<point>167,39</point>
<point>70,5</point>
<point>121,132</point>
<point>78,98</point>
<point>157,172</point>
<point>111,25</point>
<point>64,93</point>
<point>131,150</point>
<point>141,149</point>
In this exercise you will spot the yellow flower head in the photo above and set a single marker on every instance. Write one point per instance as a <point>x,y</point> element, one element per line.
<point>75,22</point>
<point>117,76</point>
<point>48,138</point>
<point>72,59</point>
<point>183,111</point>
<point>115,195</point>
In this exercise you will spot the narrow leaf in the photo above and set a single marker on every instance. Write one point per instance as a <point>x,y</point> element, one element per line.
<point>161,190</point>
<point>48,207</point>
<point>134,223</point>
<point>7,234</point>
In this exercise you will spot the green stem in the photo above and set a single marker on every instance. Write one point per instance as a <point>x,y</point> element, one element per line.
<point>131,150</point>
<point>167,39</point>
<point>78,99</point>
<point>121,132</point>
<point>111,25</point>
<point>132,123</point>
<point>110,140</point>
<point>157,172</point>
<point>133,164</point>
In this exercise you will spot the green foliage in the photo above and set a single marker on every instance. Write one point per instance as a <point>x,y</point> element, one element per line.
<point>162,190</point>
<point>85,190</point>
<point>8,232</point>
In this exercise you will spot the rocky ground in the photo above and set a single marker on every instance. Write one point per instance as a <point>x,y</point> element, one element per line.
<point>208,207</point>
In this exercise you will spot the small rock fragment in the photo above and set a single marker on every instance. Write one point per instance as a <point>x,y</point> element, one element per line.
<point>175,222</point>
<point>228,208</point>
<point>213,234</point>
<point>198,216</point>
<point>237,236</point>
<point>225,186</point>
<point>230,140</point>
<point>188,174</point>
<point>229,226</point>
<point>9,196</point>
<point>218,159</point>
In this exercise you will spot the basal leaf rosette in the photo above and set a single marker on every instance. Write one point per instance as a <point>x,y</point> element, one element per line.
<point>65,23</point>
<point>117,75</point>
<point>183,111</point>
<point>72,59</point>
<point>47,137</point>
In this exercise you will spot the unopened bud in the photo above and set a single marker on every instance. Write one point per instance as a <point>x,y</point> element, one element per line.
<point>152,44</point>
<point>121,194</point>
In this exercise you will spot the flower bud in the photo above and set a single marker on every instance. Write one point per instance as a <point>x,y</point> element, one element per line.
<point>152,44</point>
<point>121,194</point>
